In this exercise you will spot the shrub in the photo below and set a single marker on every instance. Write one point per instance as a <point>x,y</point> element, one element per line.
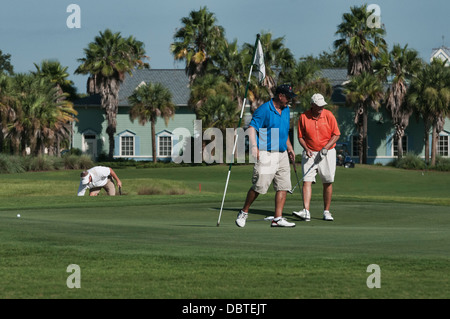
<point>77,162</point>
<point>160,189</point>
<point>10,164</point>
<point>149,190</point>
<point>442,164</point>
<point>39,163</point>
<point>85,162</point>
<point>410,161</point>
<point>19,164</point>
<point>71,161</point>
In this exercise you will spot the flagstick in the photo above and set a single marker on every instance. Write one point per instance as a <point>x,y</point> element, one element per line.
<point>239,125</point>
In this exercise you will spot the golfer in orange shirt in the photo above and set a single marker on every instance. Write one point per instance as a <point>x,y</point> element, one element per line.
<point>318,133</point>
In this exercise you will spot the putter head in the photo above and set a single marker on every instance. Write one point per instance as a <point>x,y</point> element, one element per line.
<point>290,191</point>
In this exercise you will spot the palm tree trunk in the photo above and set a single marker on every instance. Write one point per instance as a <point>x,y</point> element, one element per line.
<point>109,92</point>
<point>399,137</point>
<point>427,145</point>
<point>399,132</point>
<point>364,141</point>
<point>153,141</point>
<point>1,138</point>
<point>434,137</point>
<point>359,125</point>
<point>58,146</point>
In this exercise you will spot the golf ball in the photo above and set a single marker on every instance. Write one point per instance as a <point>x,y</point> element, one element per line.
<point>18,215</point>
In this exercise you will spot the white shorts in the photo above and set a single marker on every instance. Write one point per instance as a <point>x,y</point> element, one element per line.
<point>325,166</point>
<point>272,166</point>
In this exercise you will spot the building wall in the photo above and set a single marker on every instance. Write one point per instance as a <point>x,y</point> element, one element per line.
<point>91,120</point>
<point>381,134</point>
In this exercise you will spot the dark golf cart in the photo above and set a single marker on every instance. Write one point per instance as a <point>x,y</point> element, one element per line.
<point>343,157</point>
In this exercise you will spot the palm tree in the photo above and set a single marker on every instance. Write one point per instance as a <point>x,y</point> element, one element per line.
<point>57,74</point>
<point>207,86</point>
<point>403,64</point>
<point>305,77</point>
<point>359,42</point>
<point>5,63</point>
<point>220,112</point>
<point>37,112</point>
<point>149,102</point>
<point>107,60</point>
<point>364,91</point>
<point>429,95</point>
<point>197,42</point>
<point>5,105</point>
<point>231,63</point>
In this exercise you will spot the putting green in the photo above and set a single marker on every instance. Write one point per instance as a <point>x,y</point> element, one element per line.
<point>176,251</point>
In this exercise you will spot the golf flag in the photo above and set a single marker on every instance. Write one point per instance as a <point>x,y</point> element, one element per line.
<point>259,62</point>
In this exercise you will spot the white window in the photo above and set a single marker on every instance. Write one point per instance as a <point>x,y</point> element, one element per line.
<point>164,146</point>
<point>127,145</point>
<point>442,146</point>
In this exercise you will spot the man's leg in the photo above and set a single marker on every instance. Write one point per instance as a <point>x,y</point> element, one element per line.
<point>327,194</point>
<point>243,213</point>
<point>110,187</point>
<point>278,221</point>
<point>307,193</point>
<point>95,191</point>
<point>251,196</point>
<point>280,199</point>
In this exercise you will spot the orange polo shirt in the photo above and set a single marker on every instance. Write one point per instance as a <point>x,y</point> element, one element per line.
<point>317,131</point>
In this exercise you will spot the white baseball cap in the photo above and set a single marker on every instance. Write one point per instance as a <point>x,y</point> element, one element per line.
<point>85,179</point>
<point>318,100</point>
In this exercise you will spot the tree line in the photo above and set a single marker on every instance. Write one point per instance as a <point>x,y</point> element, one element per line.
<point>217,70</point>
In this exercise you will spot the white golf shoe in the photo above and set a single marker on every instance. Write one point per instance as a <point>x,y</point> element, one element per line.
<point>281,222</point>
<point>241,218</point>
<point>327,215</point>
<point>303,214</point>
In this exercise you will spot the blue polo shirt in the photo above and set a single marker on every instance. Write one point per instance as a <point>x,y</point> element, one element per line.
<point>272,127</point>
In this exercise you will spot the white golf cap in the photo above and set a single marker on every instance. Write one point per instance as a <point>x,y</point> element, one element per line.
<point>318,100</point>
<point>85,179</point>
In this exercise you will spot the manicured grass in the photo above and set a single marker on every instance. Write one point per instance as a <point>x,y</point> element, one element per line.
<point>168,246</point>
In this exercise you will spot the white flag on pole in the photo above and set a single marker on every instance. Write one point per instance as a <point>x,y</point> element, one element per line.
<point>259,62</point>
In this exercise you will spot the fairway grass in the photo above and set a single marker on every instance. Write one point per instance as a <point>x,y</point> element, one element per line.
<point>168,246</point>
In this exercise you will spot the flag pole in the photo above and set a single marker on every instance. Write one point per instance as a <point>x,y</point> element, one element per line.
<point>239,125</point>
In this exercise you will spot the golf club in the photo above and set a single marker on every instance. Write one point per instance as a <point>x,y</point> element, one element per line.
<point>316,161</point>
<point>296,175</point>
<point>120,190</point>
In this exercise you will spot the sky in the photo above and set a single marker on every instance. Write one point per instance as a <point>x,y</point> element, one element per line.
<point>36,30</point>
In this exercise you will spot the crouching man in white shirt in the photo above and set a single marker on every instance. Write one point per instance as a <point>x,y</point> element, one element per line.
<point>96,178</point>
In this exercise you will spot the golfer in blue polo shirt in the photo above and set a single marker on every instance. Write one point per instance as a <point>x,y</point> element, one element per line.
<point>270,145</point>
